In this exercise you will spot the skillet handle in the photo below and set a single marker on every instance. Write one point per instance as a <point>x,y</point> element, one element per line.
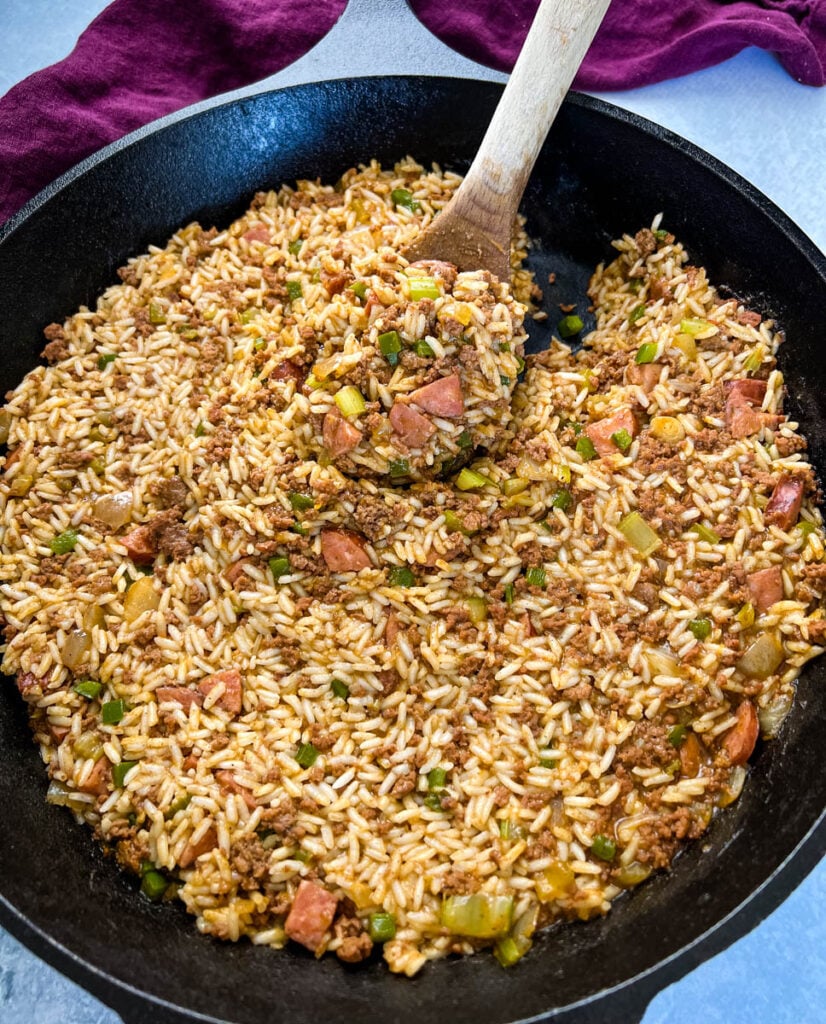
<point>377,37</point>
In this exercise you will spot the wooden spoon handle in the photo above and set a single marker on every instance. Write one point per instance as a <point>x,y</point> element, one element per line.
<point>553,51</point>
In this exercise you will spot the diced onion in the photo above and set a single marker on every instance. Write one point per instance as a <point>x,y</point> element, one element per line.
<point>662,662</point>
<point>555,882</point>
<point>733,787</point>
<point>114,509</point>
<point>477,608</point>
<point>687,345</point>
<point>762,658</point>
<point>76,648</point>
<point>772,716</point>
<point>140,597</point>
<point>632,874</point>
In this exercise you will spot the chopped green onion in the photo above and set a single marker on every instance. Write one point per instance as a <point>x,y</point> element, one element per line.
<point>423,288</point>
<point>248,315</point>
<point>294,290</point>
<point>676,735</point>
<point>300,529</point>
<point>113,711</point>
<point>180,804</point>
<point>568,326</point>
<point>259,344</point>
<point>120,771</point>
<point>106,359</point>
<point>701,628</point>
<point>754,361</point>
<point>303,856</point>
<point>469,480</point>
<point>622,439</point>
<point>154,885</point>
<point>536,576</point>
<point>359,289</point>
<point>705,533</point>
<point>421,348</point>
<point>585,448</point>
<point>477,608</point>
<point>504,346</point>
<point>562,499</point>
<point>520,364</point>
<point>509,594</point>
<point>464,440</point>
<point>661,234</point>
<point>636,313</point>
<point>279,567</point>
<point>806,527</point>
<point>454,523</point>
<point>401,576</point>
<point>300,502</point>
<point>350,401</point>
<point>156,314</point>
<point>307,755</point>
<point>639,534</point>
<point>88,688</point>
<point>646,353</point>
<point>200,430</point>
<point>405,198</point>
<point>390,344</point>
<point>399,468</point>
<point>504,380</point>
<point>294,248</point>
<point>433,802</point>
<point>514,485</point>
<point>381,926</point>
<point>313,383</point>
<point>340,689</point>
<point>604,848</point>
<point>64,542</point>
<point>478,915</point>
<point>436,778</point>
<point>548,762</point>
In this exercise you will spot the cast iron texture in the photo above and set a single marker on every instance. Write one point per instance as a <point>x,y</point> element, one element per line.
<point>602,172</point>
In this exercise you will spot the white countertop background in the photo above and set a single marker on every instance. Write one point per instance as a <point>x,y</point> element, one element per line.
<point>751,115</point>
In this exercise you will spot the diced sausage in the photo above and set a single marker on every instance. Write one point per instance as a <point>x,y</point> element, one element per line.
<point>741,738</point>
<point>765,587</point>
<point>311,915</point>
<point>413,428</point>
<point>339,436</point>
<point>207,842</point>
<point>287,370</point>
<point>178,695</point>
<point>227,781</point>
<point>784,505</point>
<point>745,391</point>
<point>99,778</point>
<point>646,375</point>
<point>743,421</point>
<point>257,234</point>
<point>139,545</point>
<point>344,551</point>
<point>601,431</point>
<point>441,398</point>
<point>437,268</point>
<point>690,756</point>
<point>230,700</point>
<point>30,685</point>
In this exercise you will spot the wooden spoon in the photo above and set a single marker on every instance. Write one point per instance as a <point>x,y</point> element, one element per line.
<point>474,229</point>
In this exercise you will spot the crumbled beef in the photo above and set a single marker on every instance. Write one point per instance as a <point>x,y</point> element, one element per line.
<point>459,883</point>
<point>356,944</point>
<point>58,345</point>
<point>647,747</point>
<point>660,836</point>
<point>170,491</point>
<point>646,242</point>
<point>169,536</point>
<point>251,861</point>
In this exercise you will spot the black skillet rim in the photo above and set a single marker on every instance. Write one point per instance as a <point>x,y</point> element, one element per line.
<point>634,992</point>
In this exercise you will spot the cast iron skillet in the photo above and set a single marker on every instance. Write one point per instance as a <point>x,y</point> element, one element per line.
<point>602,172</point>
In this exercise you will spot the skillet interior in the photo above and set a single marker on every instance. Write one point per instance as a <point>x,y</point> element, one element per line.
<point>601,173</point>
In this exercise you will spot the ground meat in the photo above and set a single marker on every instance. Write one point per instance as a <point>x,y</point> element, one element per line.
<point>404,784</point>
<point>658,457</point>
<point>356,944</point>
<point>250,860</point>
<point>58,346</point>
<point>320,738</point>
<point>132,852</point>
<point>660,837</point>
<point>647,747</point>
<point>373,516</point>
<point>169,536</point>
<point>790,445</point>
<point>170,491</point>
<point>459,883</point>
<point>282,820</point>
<point>646,242</point>
<point>75,460</point>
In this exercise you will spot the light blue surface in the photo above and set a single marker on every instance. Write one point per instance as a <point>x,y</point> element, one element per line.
<point>756,119</point>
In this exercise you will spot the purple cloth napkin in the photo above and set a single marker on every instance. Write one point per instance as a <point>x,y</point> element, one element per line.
<point>645,41</point>
<point>141,59</point>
